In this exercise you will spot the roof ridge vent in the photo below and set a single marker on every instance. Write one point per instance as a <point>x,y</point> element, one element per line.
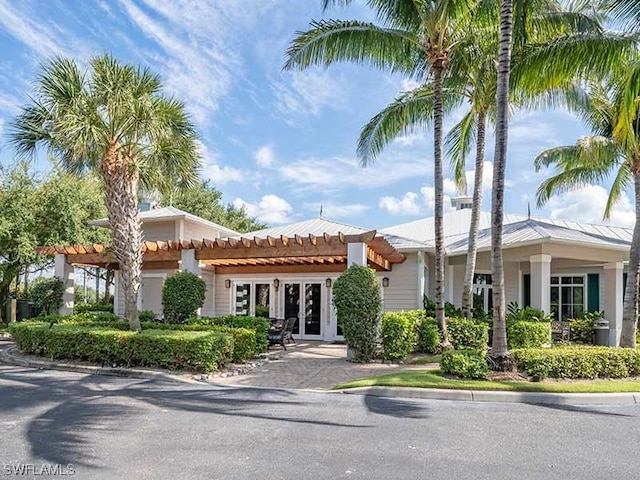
<point>462,203</point>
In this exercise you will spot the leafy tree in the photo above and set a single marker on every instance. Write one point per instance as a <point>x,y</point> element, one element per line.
<point>182,295</point>
<point>47,294</point>
<point>205,201</point>
<point>112,120</point>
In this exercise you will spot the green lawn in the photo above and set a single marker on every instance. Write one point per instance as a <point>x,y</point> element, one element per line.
<point>435,379</point>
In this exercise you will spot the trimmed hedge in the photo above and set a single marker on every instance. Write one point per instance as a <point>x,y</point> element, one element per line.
<point>202,351</point>
<point>398,332</point>
<point>258,324</point>
<point>428,336</point>
<point>523,334</point>
<point>465,333</point>
<point>93,307</point>
<point>579,362</point>
<point>466,363</point>
<point>89,319</point>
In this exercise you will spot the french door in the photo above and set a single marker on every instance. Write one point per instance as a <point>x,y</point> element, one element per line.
<point>303,300</point>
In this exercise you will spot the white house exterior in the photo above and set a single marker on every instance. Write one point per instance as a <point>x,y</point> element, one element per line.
<point>555,265</point>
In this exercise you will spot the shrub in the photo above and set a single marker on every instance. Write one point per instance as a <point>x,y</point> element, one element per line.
<point>450,309</point>
<point>579,362</point>
<point>47,294</point>
<point>182,295</point>
<point>465,333</point>
<point>526,314</point>
<point>581,329</point>
<point>466,363</point>
<point>522,334</point>
<point>93,307</point>
<point>172,349</point>
<point>398,331</point>
<point>89,319</point>
<point>356,296</point>
<point>147,316</point>
<point>257,324</point>
<point>428,336</point>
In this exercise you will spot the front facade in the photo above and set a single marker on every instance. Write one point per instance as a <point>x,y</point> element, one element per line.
<point>561,267</point>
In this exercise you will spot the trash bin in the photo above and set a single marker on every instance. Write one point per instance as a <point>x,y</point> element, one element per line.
<point>601,332</point>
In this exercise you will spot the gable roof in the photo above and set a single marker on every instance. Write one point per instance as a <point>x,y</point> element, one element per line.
<point>172,213</point>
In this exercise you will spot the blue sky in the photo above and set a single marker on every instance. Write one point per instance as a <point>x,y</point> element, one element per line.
<point>280,143</point>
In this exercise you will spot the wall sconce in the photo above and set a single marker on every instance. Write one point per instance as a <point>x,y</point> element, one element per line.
<point>385,282</point>
<point>227,283</point>
<point>327,283</point>
<point>276,283</point>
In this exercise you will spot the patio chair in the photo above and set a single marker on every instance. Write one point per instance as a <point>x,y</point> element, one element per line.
<point>560,330</point>
<point>288,329</point>
<point>278,336</point>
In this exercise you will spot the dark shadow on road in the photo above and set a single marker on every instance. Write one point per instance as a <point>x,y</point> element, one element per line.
<point>395,407</point>
<point>580,409</point>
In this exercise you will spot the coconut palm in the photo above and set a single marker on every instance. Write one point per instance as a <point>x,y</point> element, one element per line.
<point>113,120</point>
<point>612,150</point>
<point>416,37</point>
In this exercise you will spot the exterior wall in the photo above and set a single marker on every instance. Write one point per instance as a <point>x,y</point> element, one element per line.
<point>119,295</point>
<point>403,290</point>
<point>209,300</point>
<point>160,231</point>
<point>198,232</point>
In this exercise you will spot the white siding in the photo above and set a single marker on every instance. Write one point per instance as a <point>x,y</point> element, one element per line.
<point>402,292</point>
<point>458,283</point>
<point>222,301</point>
<point>209,299</point>
<point>512,283</point>
<point>193,231</point>
<point>159,231</point>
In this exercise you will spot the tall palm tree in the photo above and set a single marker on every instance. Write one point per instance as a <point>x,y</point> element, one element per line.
<point>114,120</point>
<point>416,37</point>
<point>613,149</point>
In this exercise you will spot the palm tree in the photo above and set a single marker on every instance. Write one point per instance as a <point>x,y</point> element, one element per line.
<point>613,149</point>
<point>114,120</point>
<point>417,38</point>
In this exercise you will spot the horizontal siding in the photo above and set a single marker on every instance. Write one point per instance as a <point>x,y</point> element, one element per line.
<point>402,292</point>
<point>512,283</point>
<point>209,298</point>
<point>159,231</point>
<point>198,232</point>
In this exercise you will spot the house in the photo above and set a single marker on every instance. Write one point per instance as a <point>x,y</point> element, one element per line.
<point>559,266</point>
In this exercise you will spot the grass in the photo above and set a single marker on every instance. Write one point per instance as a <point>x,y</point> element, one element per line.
<point>426,359</point>
<point>435,379</point>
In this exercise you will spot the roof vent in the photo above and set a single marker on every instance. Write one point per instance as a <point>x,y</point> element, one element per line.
<point>148,200</point>
<point>462,203</point>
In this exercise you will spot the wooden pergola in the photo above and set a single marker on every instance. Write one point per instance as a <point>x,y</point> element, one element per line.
<point>310,253</point>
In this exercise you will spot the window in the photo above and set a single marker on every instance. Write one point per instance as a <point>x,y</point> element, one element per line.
<point>257,305</point>
<point>567,297</point>
<point>482,291</point>
<point>243,299</point>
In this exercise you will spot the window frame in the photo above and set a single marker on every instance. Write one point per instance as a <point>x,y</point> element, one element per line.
<point>560,285</point>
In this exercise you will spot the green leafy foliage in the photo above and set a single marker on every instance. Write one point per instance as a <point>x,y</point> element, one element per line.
<point>182,295</point>
<point>94,307</point>
<point>147,316</point>
<point>47,294</point>
<point>465,363</point>
<point>201,351</point>
<point>398,334</point>
<point>468,334</point>
<point>525,334</point>
<point>526,314</point>
<point>579,362</point>
<point>428,336</point>
<point>356,296</point>
<point>257,324</point>
<point>450,309</point>
<point>581,329</point>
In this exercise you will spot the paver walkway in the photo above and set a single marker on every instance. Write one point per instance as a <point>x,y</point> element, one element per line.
<point>313,365</point>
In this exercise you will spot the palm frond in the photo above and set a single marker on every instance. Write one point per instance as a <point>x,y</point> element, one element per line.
<point>458,143</point>
<point>628,10</point>
<point>622,182</point>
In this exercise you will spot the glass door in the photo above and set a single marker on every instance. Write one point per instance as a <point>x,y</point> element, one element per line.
<point>312,309</point>
<point>292,304</point>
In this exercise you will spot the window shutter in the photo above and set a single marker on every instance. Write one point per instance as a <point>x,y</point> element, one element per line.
<point>593,292</point>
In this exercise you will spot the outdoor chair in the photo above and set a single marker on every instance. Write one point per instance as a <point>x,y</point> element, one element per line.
<point>560,330</point>
<point>279,335</point>
<point>288,329</point>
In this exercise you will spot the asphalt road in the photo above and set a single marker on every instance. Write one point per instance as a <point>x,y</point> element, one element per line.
<point>114,428</point>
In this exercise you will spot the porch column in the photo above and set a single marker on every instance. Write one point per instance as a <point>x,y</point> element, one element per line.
<point>65,272</point>
<point>541,282</point>
<point>189,262</point>
<point>356,254</point>
<point>613,300</point>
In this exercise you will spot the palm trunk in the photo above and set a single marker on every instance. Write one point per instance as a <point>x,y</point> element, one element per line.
<point>630,308</point>
<point>499,352</point>
<point>439,207</point>
<point>121,186</point>
<point>472,246</point>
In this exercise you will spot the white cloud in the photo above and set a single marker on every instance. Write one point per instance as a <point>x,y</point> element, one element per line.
<point>334,210</point>
<point>587,205</point>
<point>212,170</point>
<point>407,205</point>
<point>28,31</point>
<point>270,209</point>
<point>264,156</point>
<point>409,84</point>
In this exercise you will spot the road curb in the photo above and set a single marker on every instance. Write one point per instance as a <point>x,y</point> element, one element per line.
<point>623,398</point>
<point>9,357</point>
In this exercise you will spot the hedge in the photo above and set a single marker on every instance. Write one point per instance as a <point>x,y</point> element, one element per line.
<point>202,351</point>
<point>183,294</point>
<point>523,334</point>
<point>398,332</point>
<point>88,319</point>
<point>465,333</point>
<point>466,363</point>
<point>579,362</point>
<point>258,324</point>
<point>428,336</point>
<point>93,307</point>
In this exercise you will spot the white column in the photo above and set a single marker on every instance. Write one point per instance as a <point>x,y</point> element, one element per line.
<point>65,272</point>
<point>356,254</point>
<point>189,262</point>
<point>541,282</point>
<point>613,300</point>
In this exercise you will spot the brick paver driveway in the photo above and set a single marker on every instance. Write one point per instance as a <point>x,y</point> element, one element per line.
<point>313,365</point>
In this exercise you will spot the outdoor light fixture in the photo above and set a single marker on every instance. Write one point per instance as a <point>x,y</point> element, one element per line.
<point>276,284</point>
<point>327,282</point>
<point>227,283</point>
<point>385,282</point>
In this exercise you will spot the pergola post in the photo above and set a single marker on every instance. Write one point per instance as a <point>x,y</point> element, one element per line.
<point>189,261</point>
<point>65,272</point>
<point>541,282</point>
<point>613,286</point>
<point>356,254</point>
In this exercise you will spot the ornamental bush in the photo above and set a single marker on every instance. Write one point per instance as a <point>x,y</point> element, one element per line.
<point>523,334</point>
<point>93,307</point>
<point>428,336</point>
<point>466,333</point>
<point>581,329</point>
<point>257,324</point>
<point>182,295</point>
<point>147,316</point>
<point>47,294</point>
<point>398,332</point>
<point>465,363</point>
<point>356,296</point>
<point>578,362</point>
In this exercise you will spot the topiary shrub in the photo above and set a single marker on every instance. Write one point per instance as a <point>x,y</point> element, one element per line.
<point>466,363</point>
<point>523,334</point>
<point>428,336</point>
<point>398,332</point>
<point>182,295</point>
<point>47,294</point>
<point>465,333</point>
<point>356,296</point>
